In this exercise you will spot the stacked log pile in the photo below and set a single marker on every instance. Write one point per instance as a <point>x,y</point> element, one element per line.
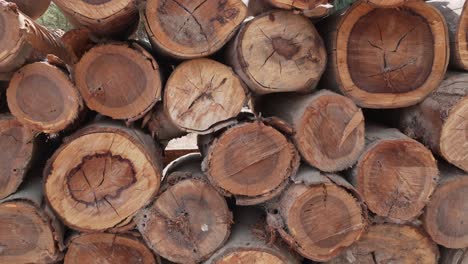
<point>321,135</point>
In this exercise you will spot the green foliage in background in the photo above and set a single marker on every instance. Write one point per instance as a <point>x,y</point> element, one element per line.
<point>339,4</point>
<point>54,19</point>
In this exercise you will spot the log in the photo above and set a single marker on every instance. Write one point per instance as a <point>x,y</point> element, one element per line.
<point>29,232</point>
<point>43,97</point>
<point>388,3</point>
<point>187,29</point>
<point>201,93</point>
<point>453,256</point>
<point>390,243</point>
<point>78,41</point>
<point>395,174</point>
<point>18,146</point>
<point>319,215</point>
<point>101,176</point>
<point>105,18</point>
<point>456,16</point>
<point>441,121</point>
<point>251,161</point>
<point>308,8</point>
<point>108,248</point>
<point>271,59</point>
<point>33,9</point>
<point>161,126</point>
<point>119,80</point>
<point>386,57</point>
<point>446,213</point>
<point>312,118</point>
<point>189,220</point>
<point>248,243</point>
<point>22,40</point>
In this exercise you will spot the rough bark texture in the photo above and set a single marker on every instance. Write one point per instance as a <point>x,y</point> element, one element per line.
<point>161,126</point>
<point>453,256</point>
<point>441,120</point>
<point>108,248</point>
<point>395,175</point>
<point>319,215</point>
<point>29,232</point>
<point>251,161</point>
<point>101,176</point>
<point>22,41</point>
<point>105,18</point>
<point>43,97</point>
<point>188,29</point>
<point>446,214</point>
<point>32,8</point>
<point>119,80</point>
<point>278,51</point>
<point>201,93</point>
<point>189,220</point>
<point>308,8</point>
<point>456,16</point>
<point>386,57</point>
<point>388,3</point>
<point>328,129</point>
<point>78,41</point>
<point>389,243</point>
<point>248,243</point>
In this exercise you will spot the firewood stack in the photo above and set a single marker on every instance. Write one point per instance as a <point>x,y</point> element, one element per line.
<point>324,135</point>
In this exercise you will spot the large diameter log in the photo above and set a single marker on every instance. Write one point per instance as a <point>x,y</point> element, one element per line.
<point>446,214</point>
<point>105,18</point>
<point>386,57</point>
<point>18,146</point>
<point>249,243</point>
<point>189,219</point>
<point>33,9</point>
<point>453,256</point>
<point>101,176</point>
<point>108,248</point>
<point>319,215</point>
<point>328,129</point>
<point>188,29</point>
<point>29,232</point>
<point>441,120</point>
<point>390,243</point>
<point>201,93</point>
<point>43,97</point>
<point>251,161</point>
<point>395,174</point>
<point>278,51</point>
<point>456,16</point>
<point>119,80</point>
<point>22,41</point>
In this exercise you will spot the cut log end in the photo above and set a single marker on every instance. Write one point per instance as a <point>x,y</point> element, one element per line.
<point>10,34</point>
<point>251,161</point>
<point>107,248</point>
<point>279,52</point>
<point>308,8</point>
<point>190,29</point>
<point>252,256</point>
<point>201,93</point>
<point>106,73</point>
<point>33,9</point>
<point>42,96</point>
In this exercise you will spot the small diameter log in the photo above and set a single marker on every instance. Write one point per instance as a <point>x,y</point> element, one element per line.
<point>33,9</point>
<point>189,220</point>
<point>161,126</point>
<point>249,243</point>
<point>328,129</point>
<point>22,41</point>
<point>18,146</point>
<point>319,215</point>
<point>445,218</point>
<point>43,97</point>
<point>119,80</point>
<point>308,8</point>
<point>188,29</point>
<point>389,243</point>
<point>441,120</point>
<point>456,16</point>
<point>29,232</point>
<point>108,248</point>
<point>250,161</point>
<point>386,57</point>
<point>453,256</point>
<point>105,18</point>
<point>396,175</point>
<point>201,93</point>
<point>278,51</point>
<point>78,41</point>
<point>101,176</point>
